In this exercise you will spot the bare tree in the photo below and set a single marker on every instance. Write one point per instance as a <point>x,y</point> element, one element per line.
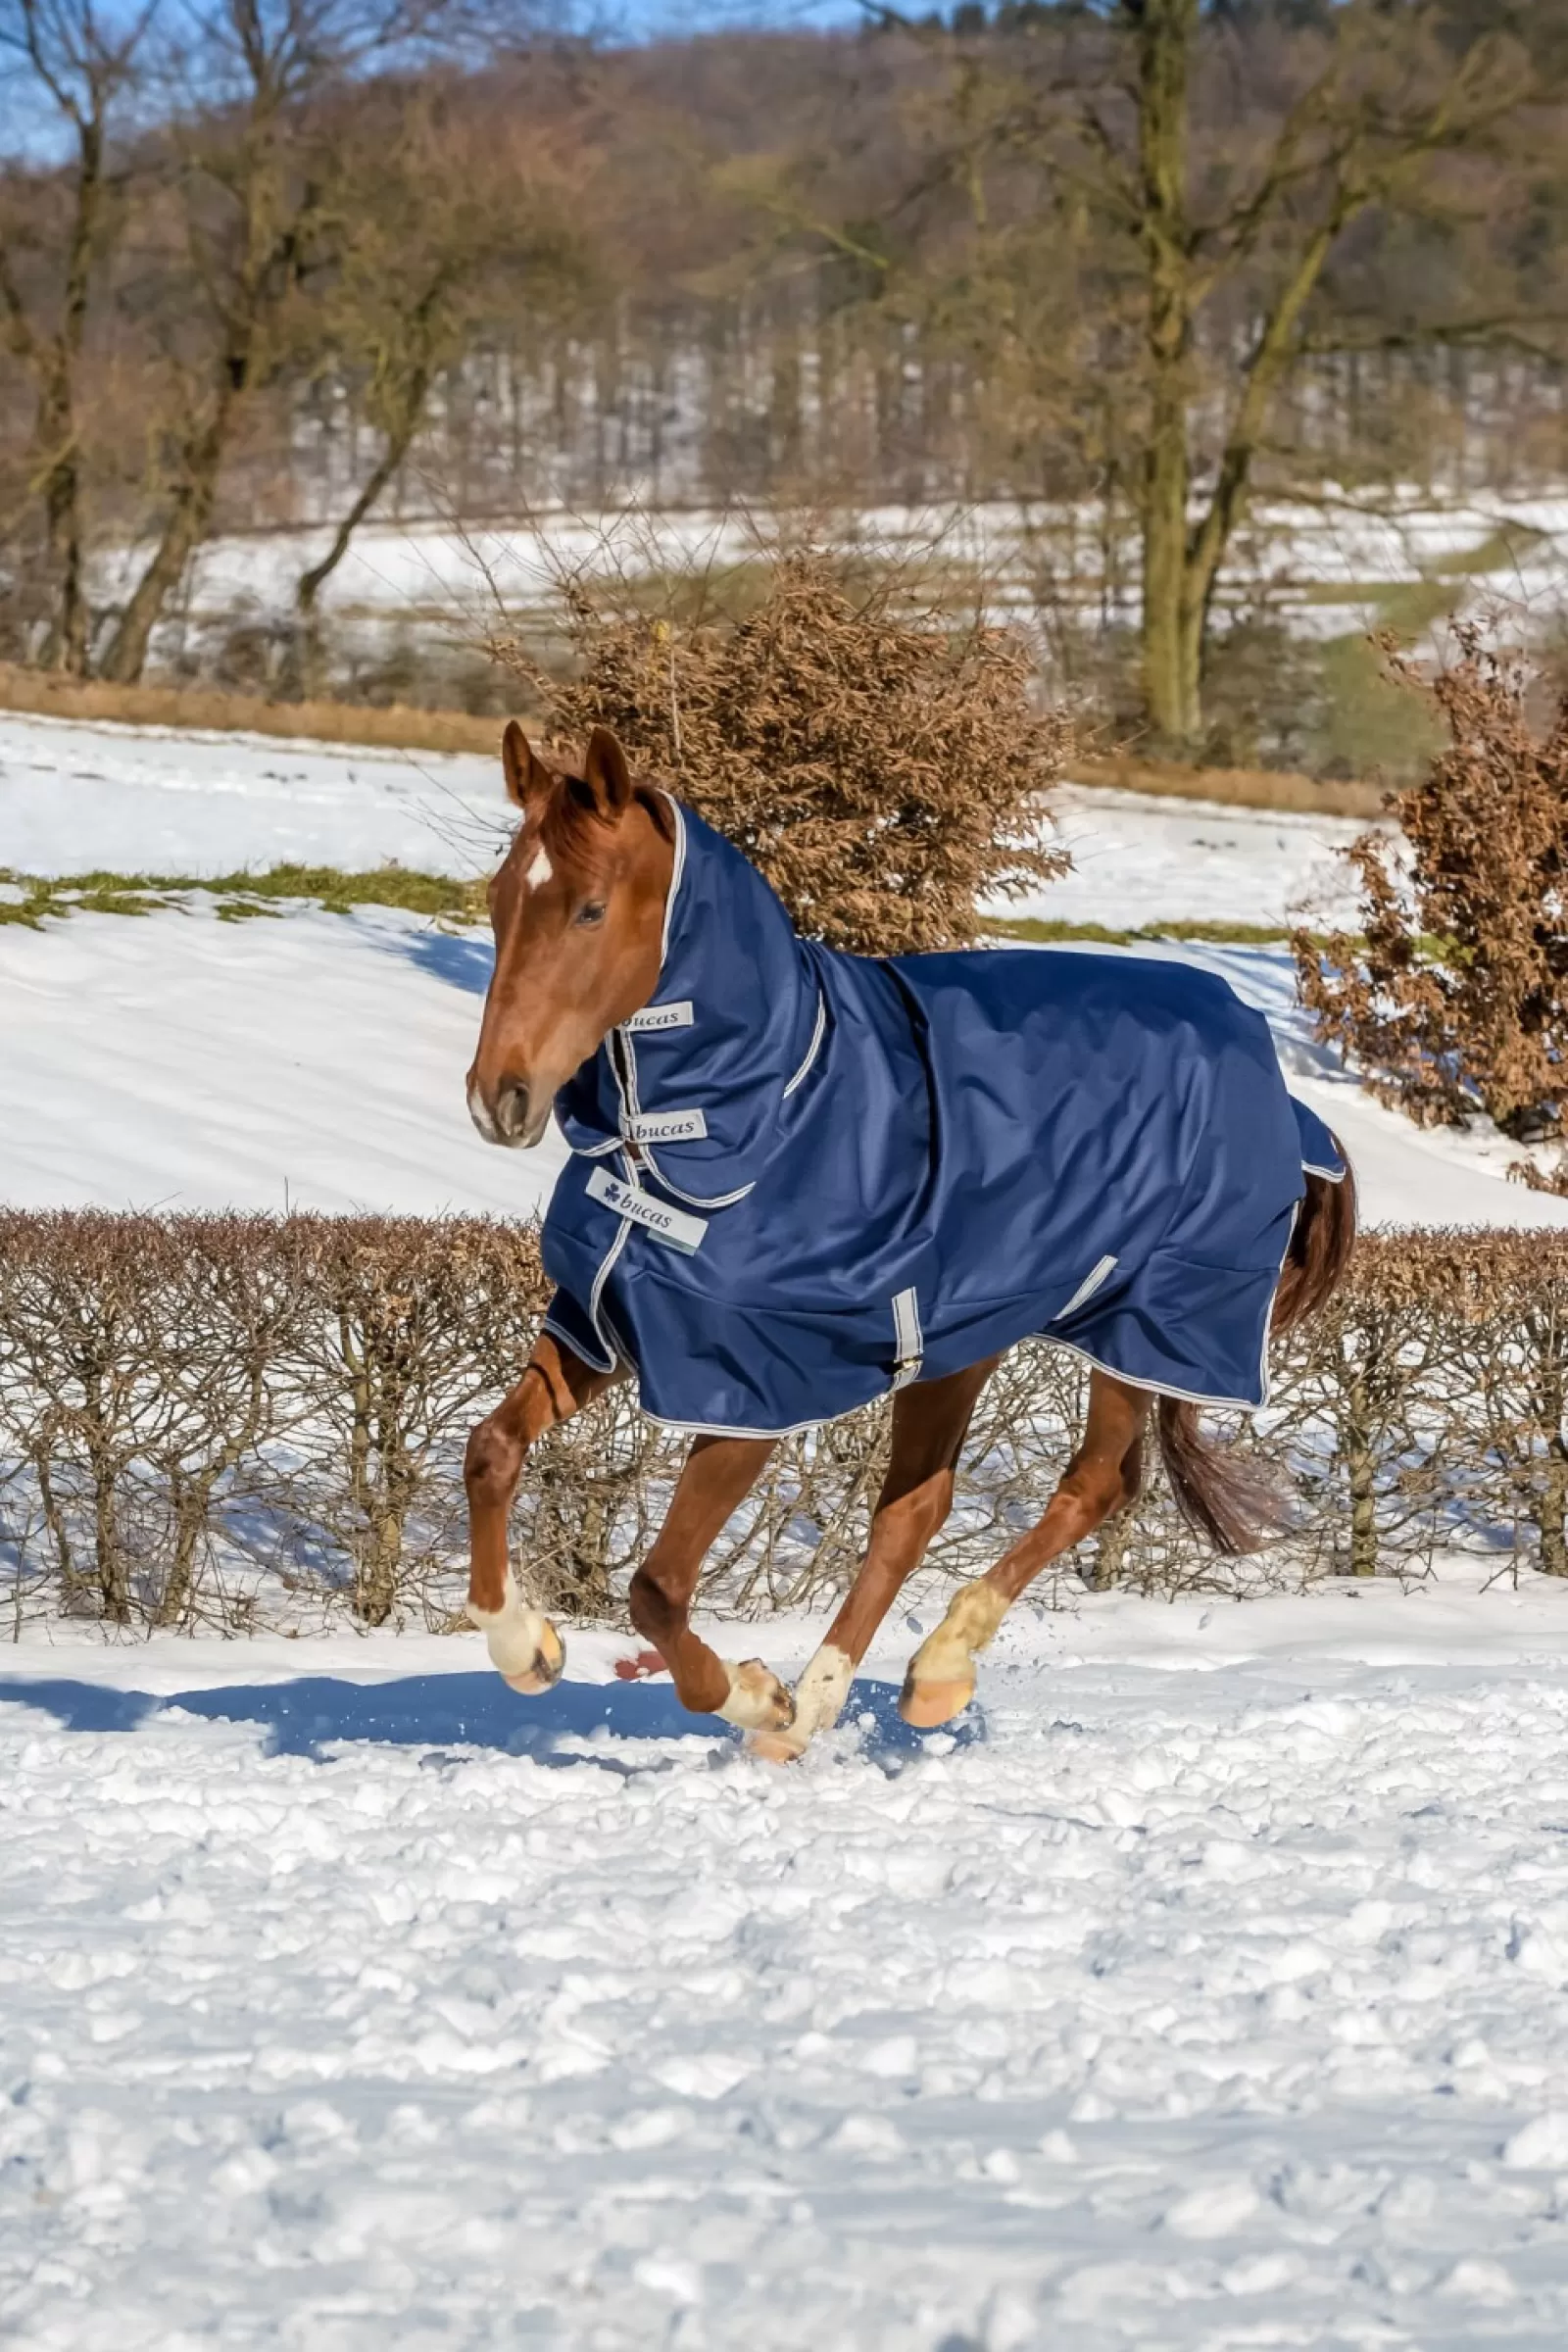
<point>444,218</point>
<point>84,65</point>
<point>1390,96</point>
<point>252,167</point>
<point>1191,170</point>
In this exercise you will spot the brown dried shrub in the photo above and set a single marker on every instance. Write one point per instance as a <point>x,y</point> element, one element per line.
<point>880,763</point>
<point>1457,999</point>
<point>232,1421</point>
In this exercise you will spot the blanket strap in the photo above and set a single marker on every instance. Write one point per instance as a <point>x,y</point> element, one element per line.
<point>907,1332</point>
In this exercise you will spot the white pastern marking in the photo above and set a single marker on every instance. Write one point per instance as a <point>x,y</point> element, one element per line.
<point>755,1695</point>
<point>822,1690</point>
<point>514,1634</point>
<point>541,870</point>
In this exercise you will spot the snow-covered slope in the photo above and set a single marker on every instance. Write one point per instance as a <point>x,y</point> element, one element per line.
<point>1207,1994</point>
<point>194,1063</point>
<point>147,800</point>
<point>180,1061</point>
<point>156,800</point>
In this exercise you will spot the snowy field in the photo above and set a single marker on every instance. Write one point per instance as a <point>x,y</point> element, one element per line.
<point>182,1061</point>
<point>1208,1994</point>
<point>1324,563</point>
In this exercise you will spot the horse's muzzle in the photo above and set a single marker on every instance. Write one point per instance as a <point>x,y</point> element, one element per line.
<point>517,1119</point>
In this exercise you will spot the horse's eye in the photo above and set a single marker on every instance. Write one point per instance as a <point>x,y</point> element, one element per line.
<point>592,913</point>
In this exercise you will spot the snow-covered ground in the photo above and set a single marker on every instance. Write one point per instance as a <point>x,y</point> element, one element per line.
<point>179,1061</point>
<point>1208,1994</point>
<point>76,797</point>
<point>461,582</point>
<point>159,801</point>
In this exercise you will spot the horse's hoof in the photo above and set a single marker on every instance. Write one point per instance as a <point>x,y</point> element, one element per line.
<point>776,1748</point>
<point>925,1705</point>
<point>549,1665</point>
<point>758,1701</point>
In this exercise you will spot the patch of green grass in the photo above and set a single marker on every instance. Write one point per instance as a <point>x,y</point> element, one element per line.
<point>32,899</point>
<point>1367,724</point>
<point>1500,550</point>
<point>1035,933</point>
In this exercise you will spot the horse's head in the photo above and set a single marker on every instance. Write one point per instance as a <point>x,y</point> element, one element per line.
<point>578,913</point>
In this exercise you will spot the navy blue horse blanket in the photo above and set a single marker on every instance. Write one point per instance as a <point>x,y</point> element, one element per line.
<point>801,1178</point>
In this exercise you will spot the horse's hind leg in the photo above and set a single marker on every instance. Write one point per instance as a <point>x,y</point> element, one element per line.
<point>929,1425</point>
<point>719,1473</point>
<point>1102,1474</point>
<point>524,1646</point>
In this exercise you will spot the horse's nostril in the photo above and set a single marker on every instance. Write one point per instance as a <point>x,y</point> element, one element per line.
<point>512,1108</point>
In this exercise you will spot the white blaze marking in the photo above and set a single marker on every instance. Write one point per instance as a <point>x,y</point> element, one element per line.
<point>541,870</point>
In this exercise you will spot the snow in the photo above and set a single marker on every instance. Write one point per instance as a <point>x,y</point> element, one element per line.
<point>1139,860</point>
<point>1206,1991</point>
<point>77,797</point>
<point>154,801</point>
<point>464,581</point>
<point>179,1061</point>
<point>185,1061</point>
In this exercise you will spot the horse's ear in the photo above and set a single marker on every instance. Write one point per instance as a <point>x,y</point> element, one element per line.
<point>529,780</point>
<point>606,774</point>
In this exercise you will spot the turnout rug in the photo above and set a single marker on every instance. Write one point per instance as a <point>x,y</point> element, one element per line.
<point>800,1178</point>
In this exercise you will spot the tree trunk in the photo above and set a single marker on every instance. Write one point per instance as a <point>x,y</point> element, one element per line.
<point>56,452</point>
<point>1166,32</point>
<point>66,646</point>
<point>183,532</point>
<point>304,675</point>
<point>1358,1437</point>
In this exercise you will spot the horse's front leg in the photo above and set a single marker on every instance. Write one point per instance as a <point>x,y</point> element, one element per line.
<point>719,1473</point>
<point>1102,1475</point>
<point>523,1644</point>
<point>930,1422</point>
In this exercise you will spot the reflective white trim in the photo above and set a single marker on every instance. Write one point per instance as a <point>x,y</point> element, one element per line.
<point>1086,1290</point>
<point>1149,1388</point>
<point>814,1048</point>
<point>696,1200</point>
<point>631,1113</point>
<point>725,1428</point>
<point>605,1268</point>
<point>677,871</point>
<point>907,1338</point>
<point>573,1341</point>
<point>1329,1175</point>
<point>665,1224</point>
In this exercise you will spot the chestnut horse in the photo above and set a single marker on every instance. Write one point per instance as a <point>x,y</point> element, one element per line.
<point>578,910</point>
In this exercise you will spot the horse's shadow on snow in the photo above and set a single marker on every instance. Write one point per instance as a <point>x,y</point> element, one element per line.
<point>464,963</point>
<point>603,1725</point>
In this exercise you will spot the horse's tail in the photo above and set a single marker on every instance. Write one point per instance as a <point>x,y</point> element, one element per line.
<point>1320,1249</point>
<point>1233,1498</point>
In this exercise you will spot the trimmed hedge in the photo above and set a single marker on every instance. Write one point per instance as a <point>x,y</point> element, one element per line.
<point>236,1421</point>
